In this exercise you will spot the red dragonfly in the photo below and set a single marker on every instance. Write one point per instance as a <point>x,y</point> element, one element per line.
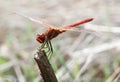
<point>52,31</point>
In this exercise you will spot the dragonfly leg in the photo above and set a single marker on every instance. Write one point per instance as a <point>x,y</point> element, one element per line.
<point>43,46</point>
<point>50,49</point>
<point>47,45</point>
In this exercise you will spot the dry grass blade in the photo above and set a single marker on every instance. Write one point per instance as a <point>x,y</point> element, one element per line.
<point>115,76</point>
<point>6,66</point>
<point>82,55</point>
<point>84,67</point>
<point>98,49</point>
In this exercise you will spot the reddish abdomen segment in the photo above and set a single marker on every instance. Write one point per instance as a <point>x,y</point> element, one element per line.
<point>78,23</point>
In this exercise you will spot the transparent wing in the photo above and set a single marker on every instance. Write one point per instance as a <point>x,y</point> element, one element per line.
<point>71,29</point>
<point>83,30</point>
<point>65,28</point>
<point>34,20</point>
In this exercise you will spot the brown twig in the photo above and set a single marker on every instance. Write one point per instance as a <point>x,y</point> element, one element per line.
<point>47,72</point>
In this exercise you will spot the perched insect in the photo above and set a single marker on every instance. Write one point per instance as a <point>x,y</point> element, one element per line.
<point>52,31</point>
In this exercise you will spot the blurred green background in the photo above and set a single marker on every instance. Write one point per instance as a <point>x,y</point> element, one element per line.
<point>78,56</point>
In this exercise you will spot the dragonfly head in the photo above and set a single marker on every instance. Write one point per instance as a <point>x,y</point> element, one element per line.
<point>40,38</point>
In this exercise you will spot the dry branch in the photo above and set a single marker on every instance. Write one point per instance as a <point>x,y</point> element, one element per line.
<point>47,72</point>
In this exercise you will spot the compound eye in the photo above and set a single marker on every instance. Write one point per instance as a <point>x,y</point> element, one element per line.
<point>40,38</point>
